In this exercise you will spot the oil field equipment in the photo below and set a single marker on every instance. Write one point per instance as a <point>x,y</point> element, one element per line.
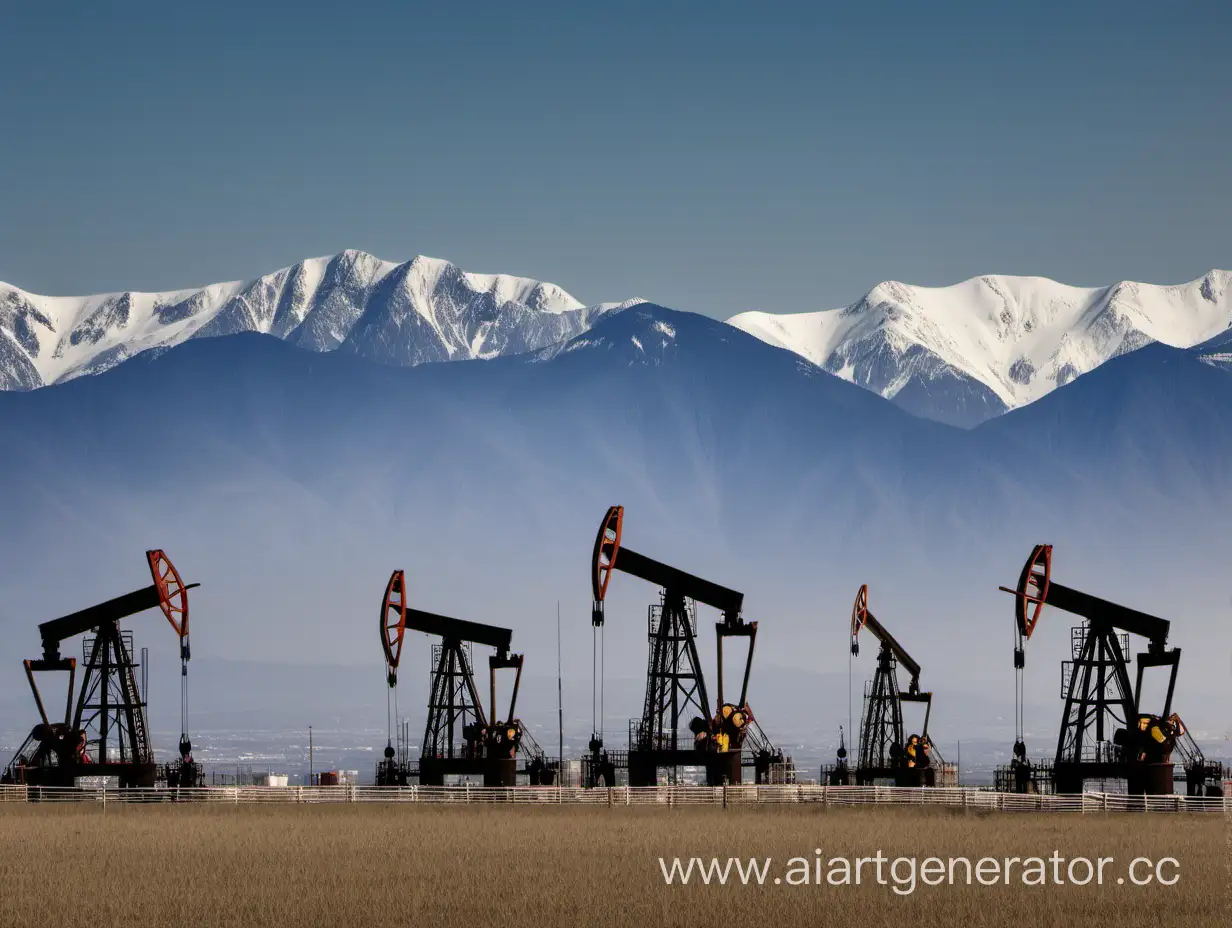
<point>1202,777</point>
<point>885,753</point>
<point>838,773</point>
<point>1105,734</point>
<point>459,739</point>
<point>675,685</point>
<point>106,734</point>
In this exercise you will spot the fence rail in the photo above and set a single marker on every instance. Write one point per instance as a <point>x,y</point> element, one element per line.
<point>668,796</point>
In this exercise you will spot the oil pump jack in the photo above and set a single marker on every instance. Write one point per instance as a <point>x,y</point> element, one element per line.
<point>459,739</point>
<point>884,752</point>
<point>675,684</point>
<point>106,734</point>
<point>1105,734</point>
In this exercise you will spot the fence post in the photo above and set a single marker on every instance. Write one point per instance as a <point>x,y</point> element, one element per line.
<point>725,796</point>
<point>609,797</point>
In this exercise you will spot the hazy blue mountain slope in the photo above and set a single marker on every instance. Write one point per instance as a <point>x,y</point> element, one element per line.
<point>290,483</point>
<point>1217,351</point>
<point>1158,420</point>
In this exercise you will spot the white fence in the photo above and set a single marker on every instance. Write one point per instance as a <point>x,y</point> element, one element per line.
<point>664,796</point>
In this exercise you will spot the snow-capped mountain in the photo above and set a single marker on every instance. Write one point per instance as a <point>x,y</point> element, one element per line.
<point>404,314</point>
<point>965,353</point>
<point>960,354</point>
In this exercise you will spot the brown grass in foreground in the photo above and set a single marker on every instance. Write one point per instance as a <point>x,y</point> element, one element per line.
<point>367,865</point>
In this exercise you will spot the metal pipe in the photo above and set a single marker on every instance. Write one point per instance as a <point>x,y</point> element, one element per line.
<point>38,700</point>
<point>517,682</point>
<point>748,665</point>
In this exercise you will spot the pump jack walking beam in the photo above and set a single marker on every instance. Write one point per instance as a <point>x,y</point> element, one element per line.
<point>861,617</point>
<point>168,592</point>
<point>1036,587</point>
<point>397,617</point>
<point>611,554</point>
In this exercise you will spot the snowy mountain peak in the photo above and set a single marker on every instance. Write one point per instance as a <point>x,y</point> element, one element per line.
<point>426,309</point>
<point>969,351</point>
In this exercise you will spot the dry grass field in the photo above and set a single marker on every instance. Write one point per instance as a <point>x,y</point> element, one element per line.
<point>369,865</point>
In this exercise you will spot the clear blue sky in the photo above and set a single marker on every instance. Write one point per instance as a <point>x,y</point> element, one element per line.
<point>710,156</point>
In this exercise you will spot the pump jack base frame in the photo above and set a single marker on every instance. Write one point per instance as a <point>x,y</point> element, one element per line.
<point>1140,778</point>
<point>722,767</point>
<point>910,776</point>
<point>66,775</point>
<point>432,772</point>
<point>495,771</point>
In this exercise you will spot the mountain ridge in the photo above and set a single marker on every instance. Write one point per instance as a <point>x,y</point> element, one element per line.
<point>967,352</point>
<point>960,354</point>
<point>351,301</point>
